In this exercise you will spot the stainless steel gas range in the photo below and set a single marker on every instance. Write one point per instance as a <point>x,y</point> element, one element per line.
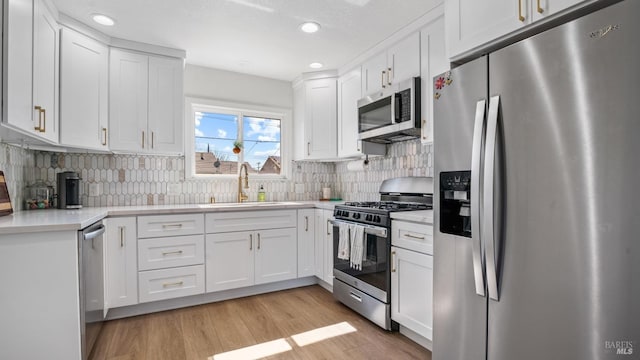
<point>362,245</point>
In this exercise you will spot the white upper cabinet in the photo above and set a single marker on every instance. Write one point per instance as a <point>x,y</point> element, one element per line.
<point>315,117</point>
<point>145,103</point>
<point>471,23</point>
<point>165,104</point>
<point>84,76</point>
<point>433,61</point>
<point>31,93</point>
<point>349,92</point>
<point>399,62</point>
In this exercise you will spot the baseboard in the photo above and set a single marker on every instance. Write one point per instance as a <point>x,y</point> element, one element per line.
<point>325,285</point>
<point>170,304</point>
<point>416,338</point>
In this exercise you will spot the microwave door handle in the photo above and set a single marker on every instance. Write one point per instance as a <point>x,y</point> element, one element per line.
<point>396,107</point>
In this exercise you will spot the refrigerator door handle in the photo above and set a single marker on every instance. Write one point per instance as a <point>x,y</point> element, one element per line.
<point>476,158</point>
<point>488,203</point>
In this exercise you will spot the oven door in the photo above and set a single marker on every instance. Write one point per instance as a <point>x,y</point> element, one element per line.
<point>374,277</point>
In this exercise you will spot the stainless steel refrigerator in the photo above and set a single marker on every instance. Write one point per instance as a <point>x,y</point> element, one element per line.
<point>537,201</point>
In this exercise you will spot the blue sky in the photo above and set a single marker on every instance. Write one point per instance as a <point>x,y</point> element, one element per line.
<point>261,136</point>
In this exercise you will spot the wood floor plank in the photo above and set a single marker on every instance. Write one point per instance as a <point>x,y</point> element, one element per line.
<point>198,332</point>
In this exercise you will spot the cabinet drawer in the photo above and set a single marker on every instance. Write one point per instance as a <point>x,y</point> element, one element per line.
<point>412,236</point>
<point>171,283</point>
<point>250,220</point>
<point>170,225</point>
<point>160,253</point>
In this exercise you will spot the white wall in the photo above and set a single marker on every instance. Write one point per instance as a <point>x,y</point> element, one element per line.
<point>211,83</point>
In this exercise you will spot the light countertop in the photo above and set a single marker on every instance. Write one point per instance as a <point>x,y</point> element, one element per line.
<point>421,216</point>
<point>62,220</point>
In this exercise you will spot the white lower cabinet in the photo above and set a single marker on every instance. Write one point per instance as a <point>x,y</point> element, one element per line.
<point>324,245</point>
<point>250,247</point>
<point>412,277</point>
<point>412,291</point>
<point>306,243</point>
<point>246,258</point>
<point>121,270</point>
<point>171,283</point>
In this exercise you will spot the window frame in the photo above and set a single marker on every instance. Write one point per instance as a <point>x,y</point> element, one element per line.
<point>193,105</point>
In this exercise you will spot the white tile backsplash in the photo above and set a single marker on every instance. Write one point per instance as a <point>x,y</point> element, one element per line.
<point>146,179</point>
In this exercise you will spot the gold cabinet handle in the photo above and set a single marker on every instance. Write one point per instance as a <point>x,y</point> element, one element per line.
<point>520,17</point>
<point>177,252</point>
<point>414,237</point>
<point>152,136</point>
<point>328,225</point>
<point>540,9</point>
<point>42,119</point>
<point>143,139</point>
<point>382,78</point>
<point>306,223</point>
<point>104,134</point>
<point>389,76</point>
<point>121,236</point>
<point>177,225</point>
<point>250,242</point>
<point>258,241</point>
<point>309,148</point>
<point>393,261</point>
<point>177,283</point>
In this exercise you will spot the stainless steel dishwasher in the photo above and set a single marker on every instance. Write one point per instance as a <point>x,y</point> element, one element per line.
<point>90,266</point>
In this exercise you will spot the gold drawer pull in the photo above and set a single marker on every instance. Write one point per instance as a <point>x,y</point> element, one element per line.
<point>540,9</point>
<point>104,133</point>
<point>178,225</point>
<point>393,261</point>
<point>414,237</point>
<point>520,17</point>
<point>177,283</point>
<point>177,252</point>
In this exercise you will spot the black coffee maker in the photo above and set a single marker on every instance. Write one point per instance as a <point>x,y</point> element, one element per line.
<point>69,190</point>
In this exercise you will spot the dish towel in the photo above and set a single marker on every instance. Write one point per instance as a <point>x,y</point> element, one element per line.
<point>357,246</point>
<point>343,243</point>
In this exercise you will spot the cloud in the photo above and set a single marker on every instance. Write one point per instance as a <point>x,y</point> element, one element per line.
<point>266,129</point>
<point>227,149</point>
<point>271,152</point>
<point>198,117</point>
<point>222,133</point>
<point>201,147</point>
<point>199,132</point>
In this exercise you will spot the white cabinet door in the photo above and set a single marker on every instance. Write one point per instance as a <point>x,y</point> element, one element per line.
<point>321,118</point>
<point>165,104</point>
<point>543,8</point>
<point>18,107</point>
<point>45,72</point>
<point>349,92</point>
<point>276,255</point>
<point>128,90</point>
<point>412,291</point>
<point>403,59</point>
<point>470,23</point>
<point>121,262</point>
<point>229,260</point>
<point>84,98</point>
<point>306,244</point>
<point>374,73</point>
<point>433,61</point>
<point>321,231</point>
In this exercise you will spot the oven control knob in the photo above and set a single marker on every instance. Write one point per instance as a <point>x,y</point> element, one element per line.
<point>377,218</point>
<point>369,217</point>
<point>356,216</point>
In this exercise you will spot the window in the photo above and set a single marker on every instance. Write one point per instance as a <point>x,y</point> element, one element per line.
<point>224,137</point>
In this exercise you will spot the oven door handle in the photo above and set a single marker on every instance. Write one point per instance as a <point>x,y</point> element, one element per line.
<point>368,229</point>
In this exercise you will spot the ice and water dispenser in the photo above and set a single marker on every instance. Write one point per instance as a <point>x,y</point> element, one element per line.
<point>455,201</point>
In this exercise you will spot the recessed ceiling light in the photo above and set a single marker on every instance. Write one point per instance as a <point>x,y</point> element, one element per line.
<point>103,19</point>
<point>316,65</point>
<point>310,27</point>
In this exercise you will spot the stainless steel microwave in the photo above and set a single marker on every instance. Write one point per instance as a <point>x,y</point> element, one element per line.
<point>392,114</point>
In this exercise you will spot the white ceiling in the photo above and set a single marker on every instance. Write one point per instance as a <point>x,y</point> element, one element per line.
<point>258,37</point>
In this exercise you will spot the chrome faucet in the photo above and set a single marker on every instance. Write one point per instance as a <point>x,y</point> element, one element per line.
<point>241,195</point>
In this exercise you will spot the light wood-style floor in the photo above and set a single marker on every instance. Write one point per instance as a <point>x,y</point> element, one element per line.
<point>198,332</point>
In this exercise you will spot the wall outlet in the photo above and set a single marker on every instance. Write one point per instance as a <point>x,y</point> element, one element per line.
<point>173,189</point>
<point>95,190</point>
